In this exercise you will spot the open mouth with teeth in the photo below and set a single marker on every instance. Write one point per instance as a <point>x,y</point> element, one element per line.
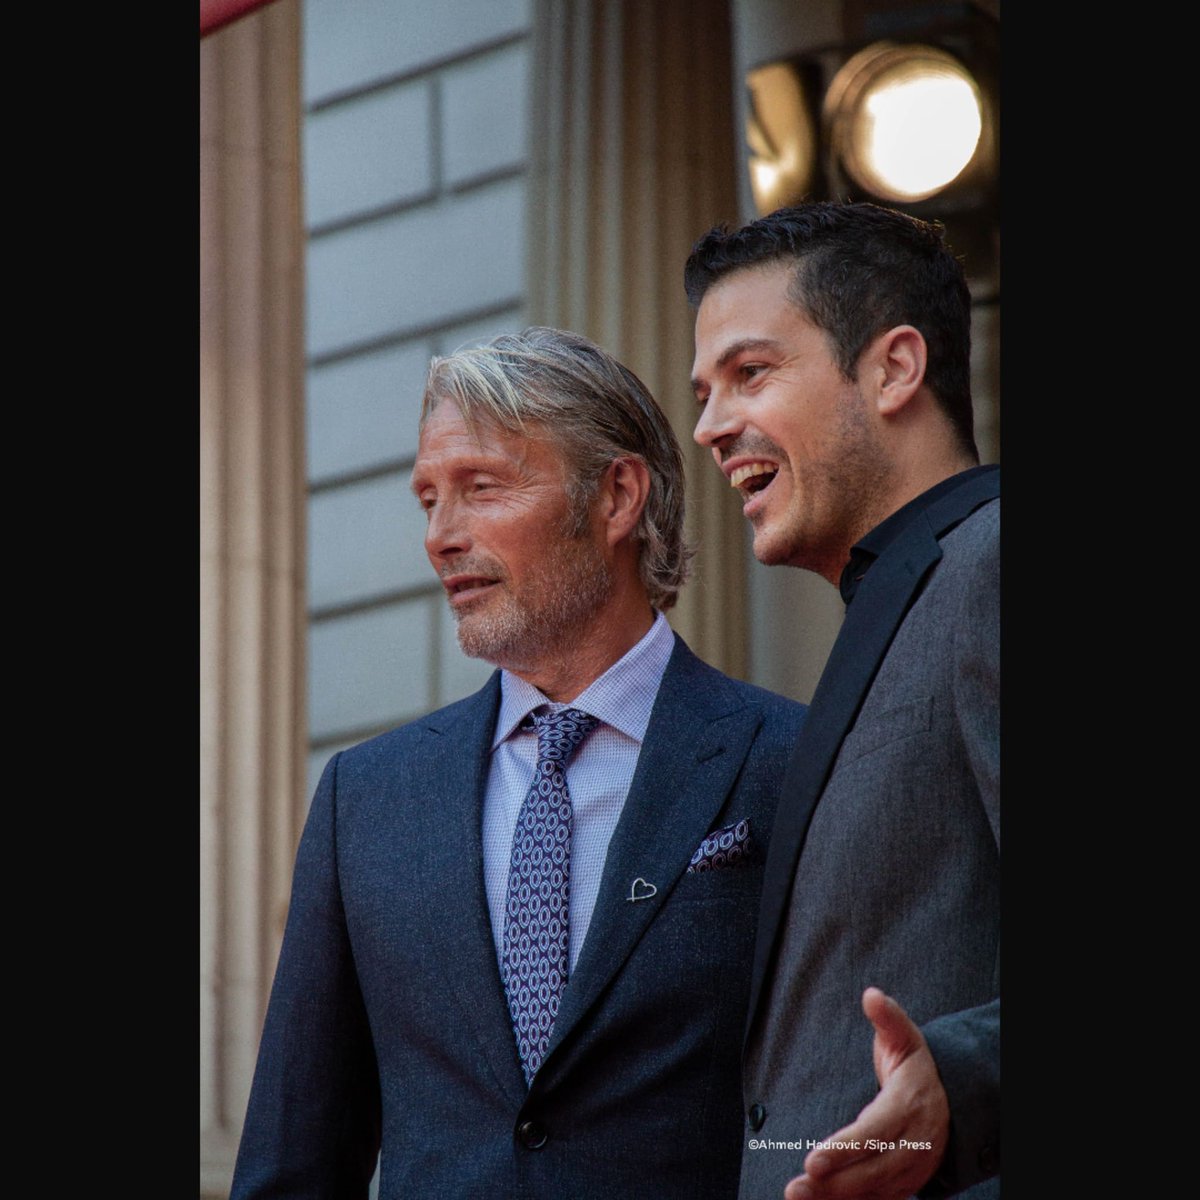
<point>753,477</point>
<point>468,588</point>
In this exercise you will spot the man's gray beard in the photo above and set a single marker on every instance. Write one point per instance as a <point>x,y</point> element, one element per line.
<point>573,586</point>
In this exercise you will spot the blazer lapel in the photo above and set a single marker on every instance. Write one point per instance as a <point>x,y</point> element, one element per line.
<point>698,737</point>
<point>881,603</point>
<point>453,909</point>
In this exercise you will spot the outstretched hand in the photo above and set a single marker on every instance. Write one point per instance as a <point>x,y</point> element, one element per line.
<point>897,1142</point>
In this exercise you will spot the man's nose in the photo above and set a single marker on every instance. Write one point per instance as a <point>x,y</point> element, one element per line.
<point>718,424</point>
<point>446,533</point>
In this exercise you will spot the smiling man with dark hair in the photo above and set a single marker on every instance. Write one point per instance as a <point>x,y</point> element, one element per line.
<point>832,374</point>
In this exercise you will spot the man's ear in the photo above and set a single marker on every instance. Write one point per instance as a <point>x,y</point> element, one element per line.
<point>624,490</point>
<point>896,364</point>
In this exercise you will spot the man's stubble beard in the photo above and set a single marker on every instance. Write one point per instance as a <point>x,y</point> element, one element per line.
<point>840,498</point>
<point>549,618</point>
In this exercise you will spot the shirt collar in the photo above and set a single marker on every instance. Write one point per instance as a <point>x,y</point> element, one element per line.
<point>622,697</point>
<point>865,551</point>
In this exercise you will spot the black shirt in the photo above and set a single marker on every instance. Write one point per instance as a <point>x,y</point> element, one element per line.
<point>869,548</point>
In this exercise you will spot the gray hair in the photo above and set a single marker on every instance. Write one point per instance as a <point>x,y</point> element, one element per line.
<point>595,410</point>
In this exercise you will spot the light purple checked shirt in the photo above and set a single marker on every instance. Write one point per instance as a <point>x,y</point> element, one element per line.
<point>598,776</point>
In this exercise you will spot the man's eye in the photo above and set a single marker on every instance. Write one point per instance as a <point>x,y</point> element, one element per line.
<point>749,370</point>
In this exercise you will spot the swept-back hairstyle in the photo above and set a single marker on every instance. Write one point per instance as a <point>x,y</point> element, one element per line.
<point>860,270</point>
<point>561,386</point>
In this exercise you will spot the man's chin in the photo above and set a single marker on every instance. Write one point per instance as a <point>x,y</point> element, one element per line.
<point>768,550</point>
<point>492,638</point>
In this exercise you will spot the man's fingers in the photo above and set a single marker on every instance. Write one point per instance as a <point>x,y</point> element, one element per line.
<point>842,1149</point>
<point>886,1172</point>
<point>894,1145</point>
<point>892,1166</point>
<point>896,1037</point>
<point>878,1125</point>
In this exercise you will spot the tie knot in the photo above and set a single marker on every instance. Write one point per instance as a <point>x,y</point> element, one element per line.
<point>559,733</point>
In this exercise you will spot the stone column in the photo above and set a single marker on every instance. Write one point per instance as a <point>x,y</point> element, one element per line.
<point>252,546</point>
<point>632,159</point>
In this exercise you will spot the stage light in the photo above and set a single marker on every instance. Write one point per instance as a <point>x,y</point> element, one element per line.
<point>781,133</point>
<point>905,121</point>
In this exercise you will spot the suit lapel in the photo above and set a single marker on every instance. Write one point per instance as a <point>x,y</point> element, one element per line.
<point>457,753</point>
<point>882,601</point>
<point>699,734</point>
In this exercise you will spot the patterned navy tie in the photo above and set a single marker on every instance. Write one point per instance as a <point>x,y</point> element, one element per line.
<point>535,960</point>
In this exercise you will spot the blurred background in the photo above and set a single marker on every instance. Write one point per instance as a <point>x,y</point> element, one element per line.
<point>385,180</point>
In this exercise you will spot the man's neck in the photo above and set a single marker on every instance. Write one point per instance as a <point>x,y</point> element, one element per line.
<point>911,483</point>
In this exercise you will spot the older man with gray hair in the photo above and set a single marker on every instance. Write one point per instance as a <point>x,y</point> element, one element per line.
<point>518,952</point>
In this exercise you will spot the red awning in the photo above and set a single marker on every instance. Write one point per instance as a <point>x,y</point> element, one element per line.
<point>214,14</point>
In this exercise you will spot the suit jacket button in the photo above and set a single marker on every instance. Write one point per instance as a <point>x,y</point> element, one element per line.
<point>757,1116</point>
<point>989,1160</point>
<point>531,1135</point>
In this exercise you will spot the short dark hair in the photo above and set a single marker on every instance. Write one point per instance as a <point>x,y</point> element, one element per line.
<point>596,410</point>
<point>860,270</point>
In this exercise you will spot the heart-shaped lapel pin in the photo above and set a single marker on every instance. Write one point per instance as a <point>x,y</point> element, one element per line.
<point>641,890</point>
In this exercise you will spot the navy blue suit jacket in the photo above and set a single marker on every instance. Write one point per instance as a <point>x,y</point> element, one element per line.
<point>388,1023</point>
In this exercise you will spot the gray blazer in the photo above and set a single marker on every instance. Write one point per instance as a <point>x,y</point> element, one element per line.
<point>388,1021</point>
<point>885,863</point>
